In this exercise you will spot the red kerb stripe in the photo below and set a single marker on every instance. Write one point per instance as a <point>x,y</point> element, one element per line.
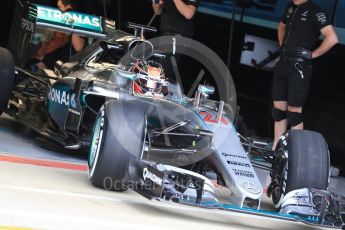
<point>40,162</point>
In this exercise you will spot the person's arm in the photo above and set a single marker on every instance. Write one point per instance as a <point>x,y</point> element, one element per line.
<point>282,23</point>
<point>186,10</point>
<point>281,32</point>
<point>58,40</point>
<point>78,42</point>
<point>157,7</point>
<point>330,40</point>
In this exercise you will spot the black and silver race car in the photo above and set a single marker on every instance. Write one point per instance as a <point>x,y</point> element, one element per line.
<point>114,101</point>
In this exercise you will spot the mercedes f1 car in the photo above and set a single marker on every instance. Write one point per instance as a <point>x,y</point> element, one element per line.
<point>114,101</point>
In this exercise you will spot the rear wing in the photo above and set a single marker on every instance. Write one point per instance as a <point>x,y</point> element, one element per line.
<point>22,28</point>
<point>73,22</point>
<point>29,17</point>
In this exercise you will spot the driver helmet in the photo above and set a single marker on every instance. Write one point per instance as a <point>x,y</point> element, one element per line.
<point>152,75</point>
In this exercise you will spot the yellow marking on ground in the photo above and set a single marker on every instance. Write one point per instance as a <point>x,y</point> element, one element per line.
<point>14,228</point>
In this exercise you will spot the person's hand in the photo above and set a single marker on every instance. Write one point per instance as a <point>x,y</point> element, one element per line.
<point>303,53</point>
<point>41,65</point>
<point>160,2</point>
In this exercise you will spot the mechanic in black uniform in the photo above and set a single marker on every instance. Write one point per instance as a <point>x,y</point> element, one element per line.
<point>176,20</point>
<point>176,16</point>
<point>298,32</point>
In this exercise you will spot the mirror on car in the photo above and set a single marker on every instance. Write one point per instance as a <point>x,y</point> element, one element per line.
<point>206,89</point>
<point>124,74</point>
<point>141,49</point>
<point>57,67</point>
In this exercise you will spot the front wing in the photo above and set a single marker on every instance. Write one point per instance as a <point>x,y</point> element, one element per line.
<point>152,181</point>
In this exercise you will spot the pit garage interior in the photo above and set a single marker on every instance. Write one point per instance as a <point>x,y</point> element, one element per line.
<point>45,187</point>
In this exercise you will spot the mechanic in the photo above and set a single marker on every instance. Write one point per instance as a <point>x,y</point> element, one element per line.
<point>59,46</point>
<point>176,16</point>
<point>176,20</point>
<point>298,32</point>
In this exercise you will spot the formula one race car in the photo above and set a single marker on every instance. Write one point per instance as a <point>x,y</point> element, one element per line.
<point>114,101</point>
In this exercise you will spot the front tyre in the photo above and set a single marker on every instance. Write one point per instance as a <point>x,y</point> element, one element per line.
<point>118,137</point>
<point>302,161</point>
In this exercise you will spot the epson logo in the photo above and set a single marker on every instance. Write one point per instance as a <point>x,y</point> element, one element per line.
<point>28,25</point>
<point>68,16</point>
<point>61,97</point>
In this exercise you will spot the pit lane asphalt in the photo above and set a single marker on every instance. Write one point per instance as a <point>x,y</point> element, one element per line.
<point>46,197</point>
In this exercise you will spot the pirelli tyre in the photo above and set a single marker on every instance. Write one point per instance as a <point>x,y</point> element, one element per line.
<point>301,161</point>
<point>118,137</point>
<point>6,77</point>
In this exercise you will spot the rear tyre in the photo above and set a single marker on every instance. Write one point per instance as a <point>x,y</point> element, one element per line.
<point>307,164</point>
<point>6,77</point>
<point>118,137</point>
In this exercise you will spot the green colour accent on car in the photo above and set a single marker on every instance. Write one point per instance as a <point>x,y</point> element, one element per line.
<point>94,141</point>
<point>70,19</point>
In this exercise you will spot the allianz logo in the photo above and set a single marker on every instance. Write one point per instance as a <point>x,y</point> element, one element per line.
<point>61,97</point>
<point>68,16</point>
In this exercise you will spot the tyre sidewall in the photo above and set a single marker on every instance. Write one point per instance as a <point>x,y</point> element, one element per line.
<point>301,164</point>
<point>108,167</point>
<point>6,77</point>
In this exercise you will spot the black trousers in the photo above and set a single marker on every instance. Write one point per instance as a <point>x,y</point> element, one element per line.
<point>291,80</point>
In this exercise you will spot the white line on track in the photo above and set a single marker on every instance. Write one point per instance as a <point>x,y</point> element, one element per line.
<point>60,193</point>
<point>167,205</point>
<point>37,217</point>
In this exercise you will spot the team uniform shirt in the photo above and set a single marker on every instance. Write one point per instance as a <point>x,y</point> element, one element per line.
<point>293,73</point>
<point>303,25</point>
<point>172,21</point>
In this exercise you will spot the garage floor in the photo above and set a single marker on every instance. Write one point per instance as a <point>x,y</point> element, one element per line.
<point>44,189</point>
<point>17,139</point>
